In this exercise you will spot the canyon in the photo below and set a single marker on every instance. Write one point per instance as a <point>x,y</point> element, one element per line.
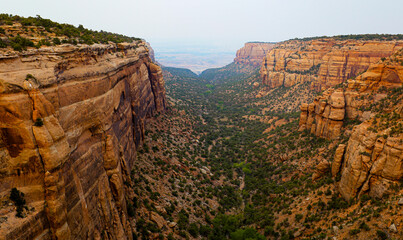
<point>293,140</point>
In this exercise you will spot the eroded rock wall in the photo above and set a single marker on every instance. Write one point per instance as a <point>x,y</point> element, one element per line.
<point>372,160</point>
<point>252,53</point>
<point>70,120</point>
<point>322,62</point>
<point>324,117</point>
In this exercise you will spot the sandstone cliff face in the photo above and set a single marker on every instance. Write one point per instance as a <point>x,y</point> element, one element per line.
<point>70,120</point>
<point>372,159</point>
<point>324,117</point>
<point>150,51</point>
<point>252,53</point>
<point>372,162</point>
<point>323,62</point>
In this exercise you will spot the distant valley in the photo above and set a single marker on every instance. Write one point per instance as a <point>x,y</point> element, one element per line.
<point>196,58</point>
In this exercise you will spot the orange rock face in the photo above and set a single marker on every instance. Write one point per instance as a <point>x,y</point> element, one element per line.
<point>372,160</point>
<point>323,62</point>
<point>68,136</point>
<point>324,117</point>
<point>371,164</point>
<point>252,53</point>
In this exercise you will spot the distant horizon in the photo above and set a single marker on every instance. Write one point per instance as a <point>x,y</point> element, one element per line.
<point>200,56</point>
<point>170,56</point>
<point>224,24</point>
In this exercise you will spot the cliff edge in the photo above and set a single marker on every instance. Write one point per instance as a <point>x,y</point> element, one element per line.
<point>323,62</point>
<point>71,117</point>
<point>252,53</point>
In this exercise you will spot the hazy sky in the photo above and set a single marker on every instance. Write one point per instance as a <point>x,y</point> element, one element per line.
<point>226,24</point>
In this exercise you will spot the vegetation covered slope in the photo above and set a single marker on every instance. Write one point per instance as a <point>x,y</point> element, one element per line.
<point>20,32</point>
<point>251,174</point>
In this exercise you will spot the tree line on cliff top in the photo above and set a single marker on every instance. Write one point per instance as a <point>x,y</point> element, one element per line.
<point>364,37</point>
<point>68,32</point>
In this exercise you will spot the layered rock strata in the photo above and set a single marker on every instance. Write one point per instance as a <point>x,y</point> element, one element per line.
<point>324,117</point>
<point>322,62</point>
<point>371,164</point>
<point>70,120</point>
<point>252,53</point>
<point>372,160</point>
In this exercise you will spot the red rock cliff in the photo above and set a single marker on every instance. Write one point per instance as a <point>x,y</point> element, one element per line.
<point>252,53</point>
<point>70,120</point>
<point>323,62</point>
<point>372,160</point>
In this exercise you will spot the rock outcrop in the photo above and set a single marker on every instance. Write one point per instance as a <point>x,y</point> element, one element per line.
<point>324,117</point>
<point>338,158</point>
<point>150,51</point>
<point>252,53</point>
<point>372,159</point>
<point>70,120</point>
<point>371,163</point>
<point>322,62</point>
<point>321,169</point>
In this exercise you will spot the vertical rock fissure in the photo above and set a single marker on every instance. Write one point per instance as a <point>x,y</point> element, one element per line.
<point>49,139</point>
<point>153,90</point>
<point>369,175</point>
<point>43,165</point>
<point>32,132</point>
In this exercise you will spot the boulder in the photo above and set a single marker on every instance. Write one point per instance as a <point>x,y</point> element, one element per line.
<point>321,169</point>
<point>393,228</point>
<point>338,159</point>
<point>337,99</point>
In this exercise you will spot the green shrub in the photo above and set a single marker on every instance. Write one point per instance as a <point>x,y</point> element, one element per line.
<point>298,217</point>
<point>56,41</point>
<point>269,231</point>
<point>247,233</point>
<point>355,231</point>
<point>38,122</point>
<point>31,77</point>
<point>171,236</point>
<point>364,226</point>
<point>381,235</point>
<point>183,220</point>
<point>365,198</point>
<point>204,230</point>
<point>19,43</point>
<point>337,203</point>
<point>130,209</point>
<point>193,230</point>
<point>18,198</point>
<point>2,44</point>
